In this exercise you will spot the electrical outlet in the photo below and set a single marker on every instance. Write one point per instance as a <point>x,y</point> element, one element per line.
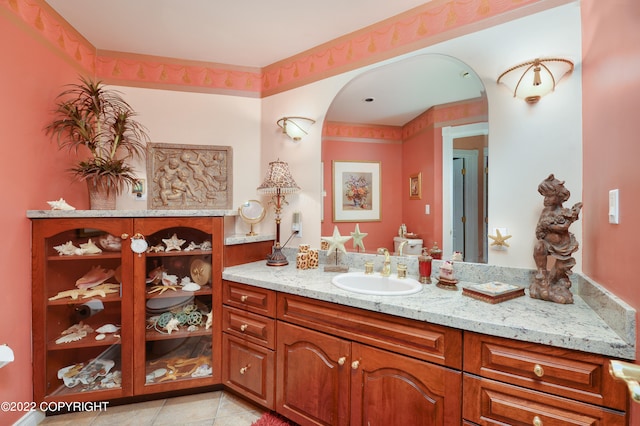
<point>296,224</point>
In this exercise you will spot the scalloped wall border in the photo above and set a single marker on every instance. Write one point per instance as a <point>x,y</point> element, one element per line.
<point>417,28</point>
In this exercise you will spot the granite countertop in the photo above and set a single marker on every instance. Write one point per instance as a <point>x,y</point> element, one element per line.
<point>575,326</point>
<point>47,214</point>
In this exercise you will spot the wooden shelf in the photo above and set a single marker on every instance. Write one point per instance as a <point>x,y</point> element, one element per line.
<point>154,335</point>
<point>174,253</point>
<point>89,341</point>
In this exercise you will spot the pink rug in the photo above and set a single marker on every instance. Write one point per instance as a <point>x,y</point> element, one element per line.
<point>272,419</point>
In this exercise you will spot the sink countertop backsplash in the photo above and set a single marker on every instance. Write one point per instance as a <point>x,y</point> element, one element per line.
<point>597,321</point>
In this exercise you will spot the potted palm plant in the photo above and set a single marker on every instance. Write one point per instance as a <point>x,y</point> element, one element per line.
<point>89,115</point>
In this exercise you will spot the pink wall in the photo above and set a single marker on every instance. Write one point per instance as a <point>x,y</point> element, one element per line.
<point>419,156</point>
<point>390,157</point>
<point>31,174</point>
<point>611,61</point>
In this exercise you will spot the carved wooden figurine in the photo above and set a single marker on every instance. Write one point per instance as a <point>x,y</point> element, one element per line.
<point>555,241</point>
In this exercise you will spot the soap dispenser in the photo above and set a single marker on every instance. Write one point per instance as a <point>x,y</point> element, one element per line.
<point>424,266</point>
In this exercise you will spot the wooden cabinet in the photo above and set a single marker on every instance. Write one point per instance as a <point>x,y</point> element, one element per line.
<point>515,382</point>
<point>249,340</point>
<point>86,278</point>
<point>328,374</point>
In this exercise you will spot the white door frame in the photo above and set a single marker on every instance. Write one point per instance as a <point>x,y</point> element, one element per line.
<point>450,133</point>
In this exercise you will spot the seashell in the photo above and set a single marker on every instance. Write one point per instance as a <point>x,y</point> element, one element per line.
<point>192,328</point>
<point>97,275</point>
<point>74,333</point>
<point>209,321</point>
<point>60,204</point>
<point>155,275</point>
<point>90,247</point>
<point>169,279</point>
<point>100,336</point>
<point>108,328</point>
<point>110,242</point>
<point>68,249</point>
<point>190,286</point>
<point>172,325</point>
<point>192,246</point>
<point>155,249</point>
<point>173,243</point>
<point>200,271</point>
<point>205,246</point>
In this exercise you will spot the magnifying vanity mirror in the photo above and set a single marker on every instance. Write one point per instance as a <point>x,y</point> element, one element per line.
<point>252,212</point>
<point>408,116</point>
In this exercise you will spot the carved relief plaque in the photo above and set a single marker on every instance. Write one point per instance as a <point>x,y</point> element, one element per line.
<point>189,177</point>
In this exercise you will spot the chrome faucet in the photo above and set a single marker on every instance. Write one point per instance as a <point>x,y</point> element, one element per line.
<point>401,246</point>
<point>386,268</point>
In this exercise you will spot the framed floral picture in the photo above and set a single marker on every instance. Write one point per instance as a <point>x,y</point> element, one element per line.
<point>415,186</point>
<point>356,191</point>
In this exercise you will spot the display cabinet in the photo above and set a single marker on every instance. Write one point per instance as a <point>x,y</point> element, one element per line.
<point>125,306</point>
<point>178,283</point>
<point>82,310</point>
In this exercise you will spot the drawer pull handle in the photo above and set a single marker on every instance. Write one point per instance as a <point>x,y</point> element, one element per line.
<point>538,371</point>
<point>244,298</point>
<point>537,421</point>
<point>342,360</point>
<point>355,364</point>
<point>244,327</point>
<point>244,369</point>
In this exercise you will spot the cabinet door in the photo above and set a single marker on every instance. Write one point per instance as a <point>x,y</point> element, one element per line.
<point>391,389</point>
<point>249,369</point>
<point>177,328</point>
<point>313,371</point>
<point>82,309</point>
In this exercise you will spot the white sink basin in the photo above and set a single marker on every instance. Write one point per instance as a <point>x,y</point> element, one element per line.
<point>359,282</point>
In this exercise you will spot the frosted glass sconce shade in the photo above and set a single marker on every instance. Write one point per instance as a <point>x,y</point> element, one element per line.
<point>295,127</point>
<point>534,79</point>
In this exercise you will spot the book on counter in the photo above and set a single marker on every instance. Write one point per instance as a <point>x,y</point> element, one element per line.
<point>493,292</point>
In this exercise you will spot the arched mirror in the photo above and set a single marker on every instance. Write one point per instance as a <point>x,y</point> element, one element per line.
<point>407,117</point>
<point>252,212</point>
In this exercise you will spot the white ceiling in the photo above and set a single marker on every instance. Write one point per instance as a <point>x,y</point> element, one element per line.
<point>257,33</point>
<point>253,33</point>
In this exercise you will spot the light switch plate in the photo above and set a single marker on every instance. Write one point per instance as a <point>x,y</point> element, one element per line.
<point>614,206</point>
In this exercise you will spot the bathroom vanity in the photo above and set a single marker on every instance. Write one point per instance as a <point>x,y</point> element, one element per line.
<point>435,357</point>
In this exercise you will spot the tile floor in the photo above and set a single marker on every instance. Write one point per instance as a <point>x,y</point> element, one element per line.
<point>212,409</point>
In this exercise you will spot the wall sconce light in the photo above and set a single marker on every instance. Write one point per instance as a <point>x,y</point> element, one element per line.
<point>278,182</point>
<point>295,127</point>
<point>540,77</point>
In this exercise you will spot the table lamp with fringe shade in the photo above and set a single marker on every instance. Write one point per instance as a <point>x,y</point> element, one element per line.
<point>277,183</point>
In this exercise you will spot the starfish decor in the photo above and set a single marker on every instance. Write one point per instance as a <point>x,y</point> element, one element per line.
<point>499,239</point>
<point>358,237</point>
<point>336,241</point>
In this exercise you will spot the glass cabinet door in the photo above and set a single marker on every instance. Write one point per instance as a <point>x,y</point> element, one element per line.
<point>82,309</point>
<point>177,272</point>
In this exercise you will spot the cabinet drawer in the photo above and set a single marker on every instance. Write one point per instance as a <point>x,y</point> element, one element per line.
<point>249,369</point>
<point>253,299</point>
<point>576,375</point>
<point>252,327</point>
<point>438,344</point>
<point>488,402</point>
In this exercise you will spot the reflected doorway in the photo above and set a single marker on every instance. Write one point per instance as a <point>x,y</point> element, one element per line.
<point>464,181</point>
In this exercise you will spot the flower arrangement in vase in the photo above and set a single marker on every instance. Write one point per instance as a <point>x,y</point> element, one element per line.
<point>357,191</point>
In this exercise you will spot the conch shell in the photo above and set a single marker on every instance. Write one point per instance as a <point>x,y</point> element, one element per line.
<point>68,249</point>
<point>90,248</point>
<point>97,275</point>
<point>60,204</point>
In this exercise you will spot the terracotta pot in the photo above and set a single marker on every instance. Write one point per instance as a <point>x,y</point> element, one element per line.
<point>100,198</point>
